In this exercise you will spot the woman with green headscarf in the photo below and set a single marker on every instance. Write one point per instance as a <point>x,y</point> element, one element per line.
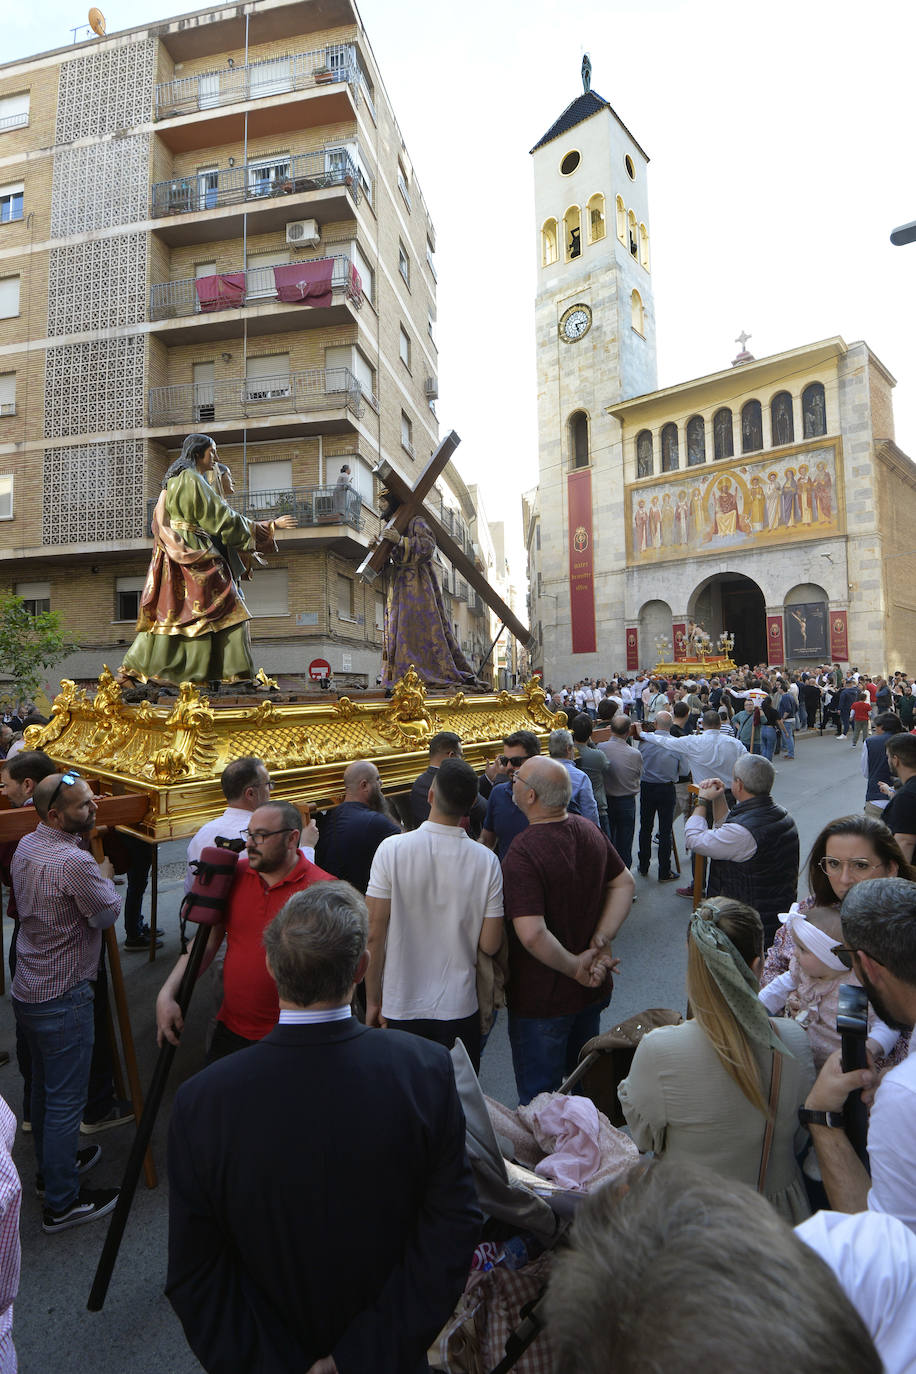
<point>703,1090</point>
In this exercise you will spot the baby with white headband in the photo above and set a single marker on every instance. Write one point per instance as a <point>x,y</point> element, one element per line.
<point>809,990</point>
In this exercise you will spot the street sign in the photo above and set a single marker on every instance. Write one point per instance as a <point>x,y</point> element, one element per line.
<point>319,668</point>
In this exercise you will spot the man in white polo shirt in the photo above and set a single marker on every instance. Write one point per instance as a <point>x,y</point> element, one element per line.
<point>434,898</point>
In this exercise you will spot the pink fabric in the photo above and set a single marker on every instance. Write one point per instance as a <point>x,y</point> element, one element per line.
<point>305,281</point>
<point>222,291</point>
<point>583,1149</point>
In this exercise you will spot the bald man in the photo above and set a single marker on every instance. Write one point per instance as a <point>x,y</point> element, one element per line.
<point>566,895</point>
<point>349,835</point>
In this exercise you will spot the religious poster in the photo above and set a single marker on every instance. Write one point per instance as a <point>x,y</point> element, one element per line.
<point>776,655</point>
<point>745,503</point>
<point>806,631</point>
<point>839,637</point>
<point>679,635</point>
<point>581,562</point>
<point>632,649</point>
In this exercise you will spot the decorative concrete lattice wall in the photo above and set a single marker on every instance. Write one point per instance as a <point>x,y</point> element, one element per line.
<point>97,284</point>
<point>94,493</point>
<point>94,387</point>
<point>108,89</point>
<point>100,186</point>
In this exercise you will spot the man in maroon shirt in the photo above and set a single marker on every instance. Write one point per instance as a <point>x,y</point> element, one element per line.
<point>265,879</point>
<point>566,895</point>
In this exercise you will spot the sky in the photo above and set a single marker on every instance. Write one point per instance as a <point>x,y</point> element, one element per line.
<point>780,145</point>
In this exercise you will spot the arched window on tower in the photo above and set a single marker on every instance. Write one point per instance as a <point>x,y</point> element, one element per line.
<point>782,425</point>
<point>632,235</point>
<point>578,439</point>
<point>644,453</point>
<point>572,233</point>
<point>596,225</point>
<point>722,436</point>
<point>814,410</point>
<point>669,448</point>
<point>637,313</point>
<point>751,427</point>
<point>696,441</point>
<point>644,246</point>
<point>621,220</point>
<point>548,242</point>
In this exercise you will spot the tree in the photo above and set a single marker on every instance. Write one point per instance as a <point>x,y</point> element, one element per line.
<point>29,645</point>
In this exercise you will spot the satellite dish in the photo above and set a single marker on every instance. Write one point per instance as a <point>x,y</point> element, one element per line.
<point>97,22</point>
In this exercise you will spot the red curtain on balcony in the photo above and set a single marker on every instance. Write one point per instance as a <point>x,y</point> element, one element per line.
<point>305,281</point>
<point>222,291</point>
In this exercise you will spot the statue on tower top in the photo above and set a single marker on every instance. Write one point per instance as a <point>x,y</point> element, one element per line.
<point>586,73</point>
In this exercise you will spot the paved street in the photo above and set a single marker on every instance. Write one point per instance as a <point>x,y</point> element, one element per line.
<point>136,1330</point>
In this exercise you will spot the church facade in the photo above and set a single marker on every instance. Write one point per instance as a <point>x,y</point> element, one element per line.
<point>768,500</point>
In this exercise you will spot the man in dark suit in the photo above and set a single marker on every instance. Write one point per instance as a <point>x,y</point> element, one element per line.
<point>322,1215</point>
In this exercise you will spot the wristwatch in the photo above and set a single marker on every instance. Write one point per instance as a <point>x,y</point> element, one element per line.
<point>807,1117</point>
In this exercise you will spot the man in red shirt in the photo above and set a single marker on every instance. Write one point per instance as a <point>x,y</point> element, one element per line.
<point>265,879</point>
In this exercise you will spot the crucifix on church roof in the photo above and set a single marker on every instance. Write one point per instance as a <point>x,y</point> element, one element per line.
<point>743,356</point>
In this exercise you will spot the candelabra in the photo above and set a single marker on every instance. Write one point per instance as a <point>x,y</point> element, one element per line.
<point>662,648</point>
<point>726,642</point>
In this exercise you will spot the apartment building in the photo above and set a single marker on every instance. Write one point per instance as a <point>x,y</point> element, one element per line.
<point>212,223</point>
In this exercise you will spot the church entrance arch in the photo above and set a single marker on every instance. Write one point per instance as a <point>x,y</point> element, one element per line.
<point>654,623</point>
<point>733,602</point>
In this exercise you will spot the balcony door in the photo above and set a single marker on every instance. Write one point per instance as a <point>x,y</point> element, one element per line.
<point>208,90</point>
<point>260,273</point>
<point>270,78</point>
<point>202,269</point>
<point>267,378</point>
<point>207,187</point>
<point>265,177</point>
<point>269,483</point>
<point>204,393</point>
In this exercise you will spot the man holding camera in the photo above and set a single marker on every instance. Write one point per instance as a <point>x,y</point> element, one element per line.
<point>879,928</point>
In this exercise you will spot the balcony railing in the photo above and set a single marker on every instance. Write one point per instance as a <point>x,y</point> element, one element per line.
<point>274,76</point>
<point>330,166</point>
<point>461,589</point>
<point>204,403</point>
<point>307,505</point>
<point>195,296</point>
<point>14,121</point>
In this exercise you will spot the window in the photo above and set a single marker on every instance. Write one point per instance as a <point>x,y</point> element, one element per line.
<point>644,453</point>
<point>751,427</point>
<point>6,496</point>
<point>403,263</point>
<point>537,535</point>
<point>346,598</point>
<point>379,612</point>
<point>430,322</point>
<point>404,347</point>
<point>404,184</point>
<point>570,163</point>
<point>723,438</point>
<point>344,358</point>
<point>637,313</point>
<point>7,393</point>
<point>268,593</point>
<point>572,233</point>
<point>267,378</point>
<point>204,392</point>
<point>621,220</point>
<point>127,597</point>
<point>632,240</point>
<point>267,482</point>
<point>596,225</point>
<point>548,242</point>
<point>669,448</point>
<point>696,441</point>
<point>631,170</point>
<point>11,198</point>
<point>814,409</point>
<point>260,267</point>
<point>207,189</point>
<point>782,423</point>
<point>406,433</point>
<point>36,596</point>
<point>366,274</point>
<point>267,174</point>
<point>365,375</point>
<point>430,258</point>
<point>578,439</point>
<point>644,247</point>
<point>14,111</point>
<point>361,479</point>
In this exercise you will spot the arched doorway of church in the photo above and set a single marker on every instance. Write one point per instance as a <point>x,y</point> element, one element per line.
<point>654,626</point>
<point>733,602</point>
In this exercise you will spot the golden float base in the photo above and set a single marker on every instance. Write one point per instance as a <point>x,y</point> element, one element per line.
<point>696,667</point>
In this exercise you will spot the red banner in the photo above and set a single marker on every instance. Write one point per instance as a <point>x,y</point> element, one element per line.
<point>776,653</point>
<point>679,635</point>
<point>581,564</point>
<point>632,649</point>
<point>839,637</point>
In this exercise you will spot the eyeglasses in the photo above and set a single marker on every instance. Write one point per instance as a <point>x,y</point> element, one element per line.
<point>260,835</point>
<point>517,761</point>
<point>525,783</point>
<point>67,779</point>
<point>844,954</point>
<point>834,866</point>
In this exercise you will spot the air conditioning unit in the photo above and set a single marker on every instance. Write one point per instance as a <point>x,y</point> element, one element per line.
<point>432,388</point>
<point>306,232</point>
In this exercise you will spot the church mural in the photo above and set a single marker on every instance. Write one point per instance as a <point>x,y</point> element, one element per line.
<point>749,504</point>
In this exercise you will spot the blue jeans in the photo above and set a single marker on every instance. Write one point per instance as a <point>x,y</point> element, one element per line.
<point>60,1034</point>
<point>767,741</point>
<point>545,1049</point>
<point>788,726</point>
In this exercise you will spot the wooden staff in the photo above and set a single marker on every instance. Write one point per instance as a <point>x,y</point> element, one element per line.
<point>699,860</point>
<point>127,1039</point>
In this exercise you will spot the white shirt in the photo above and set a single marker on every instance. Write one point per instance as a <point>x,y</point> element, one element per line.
<point>230,825</point>
<point>710,755</point>
<point>874,1260</point>
<point>442,887</point>
<point>301,1016</point>
<point>726,841</point>
<point>891,1134</point>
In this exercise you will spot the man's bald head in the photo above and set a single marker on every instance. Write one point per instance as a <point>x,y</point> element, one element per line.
<point>664,720</point>
<point>550,782</point>
<point>43,793</point>
<point>362,771</point>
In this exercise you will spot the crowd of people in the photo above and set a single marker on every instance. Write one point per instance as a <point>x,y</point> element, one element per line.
<point>423,916</point>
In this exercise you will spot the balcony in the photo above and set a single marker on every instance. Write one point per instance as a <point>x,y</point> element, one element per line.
<point>461,589</point>
<point>14,121</point>
<point>324,516</point>
<point>321,400</point>
<point>331,289</point>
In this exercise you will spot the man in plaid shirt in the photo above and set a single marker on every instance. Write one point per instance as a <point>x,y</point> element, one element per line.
<point>65,900</point>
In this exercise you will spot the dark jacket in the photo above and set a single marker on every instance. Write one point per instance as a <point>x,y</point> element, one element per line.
<point>769,880</point>
<point>878,767</point>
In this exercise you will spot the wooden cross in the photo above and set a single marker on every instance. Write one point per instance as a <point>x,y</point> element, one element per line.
<point>412,502</point>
